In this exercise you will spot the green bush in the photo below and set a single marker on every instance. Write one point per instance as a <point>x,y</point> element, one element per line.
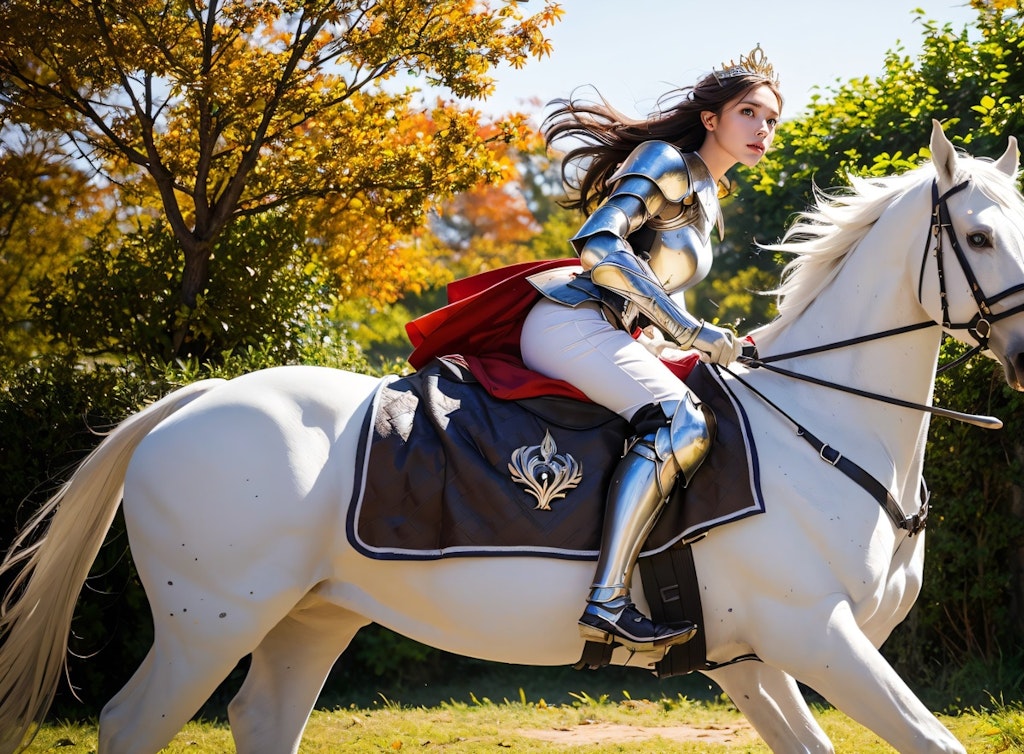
<point>119,300</point>
<point>963,640</point>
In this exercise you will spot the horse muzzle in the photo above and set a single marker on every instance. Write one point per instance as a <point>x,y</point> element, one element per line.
<point>1012,359</point>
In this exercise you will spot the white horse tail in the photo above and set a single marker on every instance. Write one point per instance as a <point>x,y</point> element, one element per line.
<point>50,560</point>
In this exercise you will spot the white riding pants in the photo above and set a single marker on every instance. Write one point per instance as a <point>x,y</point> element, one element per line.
<point>578,345</point>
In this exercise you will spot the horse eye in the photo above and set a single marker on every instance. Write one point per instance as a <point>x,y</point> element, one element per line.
<point>978,240</point>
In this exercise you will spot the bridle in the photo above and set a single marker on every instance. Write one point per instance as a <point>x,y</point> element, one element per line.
<point>979,327</point>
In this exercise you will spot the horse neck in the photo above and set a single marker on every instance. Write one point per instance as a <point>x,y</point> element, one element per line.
<point>872,293</point>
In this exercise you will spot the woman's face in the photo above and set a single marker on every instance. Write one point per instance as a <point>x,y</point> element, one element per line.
<point>742,132</point>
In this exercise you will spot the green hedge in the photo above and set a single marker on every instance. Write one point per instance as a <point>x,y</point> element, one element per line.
<point>963,640</point>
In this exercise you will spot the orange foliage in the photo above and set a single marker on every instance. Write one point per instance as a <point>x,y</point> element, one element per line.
<point>222,111</point>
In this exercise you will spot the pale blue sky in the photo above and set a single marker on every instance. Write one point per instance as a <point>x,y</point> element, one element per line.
<point>633,51</point>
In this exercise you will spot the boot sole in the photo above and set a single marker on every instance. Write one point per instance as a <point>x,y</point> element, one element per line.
<point>589,633</point>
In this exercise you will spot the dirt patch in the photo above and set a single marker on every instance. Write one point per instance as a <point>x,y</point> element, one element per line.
<point>593,733</point>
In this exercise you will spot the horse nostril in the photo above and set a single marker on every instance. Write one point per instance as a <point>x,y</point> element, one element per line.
<point>1017,368</point>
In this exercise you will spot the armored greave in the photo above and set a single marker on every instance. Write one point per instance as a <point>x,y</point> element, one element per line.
<point>639,489</point>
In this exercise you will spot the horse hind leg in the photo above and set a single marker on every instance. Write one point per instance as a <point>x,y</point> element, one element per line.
<point>771,701</point>
<point>194,649</point>
<point>170,686</point>
<point>288,670</point>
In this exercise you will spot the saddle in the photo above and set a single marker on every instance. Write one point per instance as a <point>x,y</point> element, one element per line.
<point>447,470</point>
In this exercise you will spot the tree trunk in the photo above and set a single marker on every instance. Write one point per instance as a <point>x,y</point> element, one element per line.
<point>194,279</point>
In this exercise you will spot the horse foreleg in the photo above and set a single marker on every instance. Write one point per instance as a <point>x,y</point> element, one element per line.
<point>288,670</point>
<point>771,701</point>
<point>841,664</point>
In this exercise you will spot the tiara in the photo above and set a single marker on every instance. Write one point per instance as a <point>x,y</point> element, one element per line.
<point>755,62</point>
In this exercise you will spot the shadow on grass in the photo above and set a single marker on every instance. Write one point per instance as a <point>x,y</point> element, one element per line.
<point>440,677</point>
<point>462,680</point>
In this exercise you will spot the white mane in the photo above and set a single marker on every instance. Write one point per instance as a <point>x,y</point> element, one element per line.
<point>822,237</point>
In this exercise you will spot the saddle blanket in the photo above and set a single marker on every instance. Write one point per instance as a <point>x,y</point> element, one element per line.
<point>445,470</point>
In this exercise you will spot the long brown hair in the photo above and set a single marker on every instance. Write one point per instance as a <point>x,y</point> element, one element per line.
<point>603,137</point>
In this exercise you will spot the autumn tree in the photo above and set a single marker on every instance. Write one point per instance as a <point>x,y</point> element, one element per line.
<point>203,113</point>
<point>488,226</point>
<point>48,210</point>
<point>491,225</point>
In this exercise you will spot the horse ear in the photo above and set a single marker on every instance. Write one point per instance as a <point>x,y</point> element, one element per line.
<point>943,155</point>
<point>1010,160</point>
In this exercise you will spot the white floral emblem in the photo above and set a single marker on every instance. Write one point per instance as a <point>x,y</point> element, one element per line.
<point>545,473</point>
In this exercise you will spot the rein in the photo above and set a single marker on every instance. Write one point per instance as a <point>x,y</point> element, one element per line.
<point>986,422</point>
<point>911,524</point>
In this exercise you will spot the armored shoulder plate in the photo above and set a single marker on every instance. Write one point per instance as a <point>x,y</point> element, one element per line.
<point>660,162</point>
<point>653,176</point>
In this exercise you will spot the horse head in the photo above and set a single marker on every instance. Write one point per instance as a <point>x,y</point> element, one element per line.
<point>976,253</point>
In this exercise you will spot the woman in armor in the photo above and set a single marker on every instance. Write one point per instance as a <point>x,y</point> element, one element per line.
<point>651,189</point>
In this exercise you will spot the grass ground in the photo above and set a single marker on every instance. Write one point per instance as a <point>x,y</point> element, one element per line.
<point>596,726</point>
<point>554,712</point>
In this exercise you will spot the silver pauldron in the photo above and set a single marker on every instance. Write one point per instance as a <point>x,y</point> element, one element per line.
<point>668,191</point>
<point>659,174</point>
<point>651,178</point>
<point>606,229</point>
<point>661,163</point>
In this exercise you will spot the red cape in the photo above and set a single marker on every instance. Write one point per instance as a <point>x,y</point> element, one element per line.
<point>482,324</point>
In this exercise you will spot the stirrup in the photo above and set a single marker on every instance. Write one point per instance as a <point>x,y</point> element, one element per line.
<point>630,628</point>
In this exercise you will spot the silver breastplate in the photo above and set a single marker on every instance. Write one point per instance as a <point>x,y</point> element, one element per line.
<point>681,256</point>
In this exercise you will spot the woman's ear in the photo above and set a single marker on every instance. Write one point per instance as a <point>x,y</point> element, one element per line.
<point>708,118</point>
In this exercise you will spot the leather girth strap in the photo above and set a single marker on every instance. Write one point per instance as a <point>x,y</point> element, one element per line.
<point>670,584</point>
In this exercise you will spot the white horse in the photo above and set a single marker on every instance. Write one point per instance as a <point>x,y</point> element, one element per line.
<point>235,501</point>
